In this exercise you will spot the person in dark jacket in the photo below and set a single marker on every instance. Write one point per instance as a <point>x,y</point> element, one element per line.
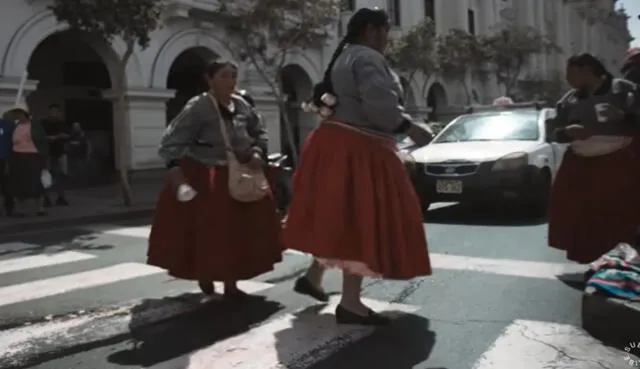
<point>7,125</point>
<point>631,67</point>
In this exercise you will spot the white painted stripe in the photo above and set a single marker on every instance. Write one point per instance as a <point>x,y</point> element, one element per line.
<point>515,268</point>
<point>138,232</point>
<point>19,343</point>
<point>529,344</point>
<point>54,286</point>
<point>292,341</point>
<point>11,247</point>
<point>40,261</point>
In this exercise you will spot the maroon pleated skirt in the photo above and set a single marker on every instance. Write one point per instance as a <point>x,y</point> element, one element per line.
<point>595,203</point>
<point>354,207</point>
<point>213,237</point>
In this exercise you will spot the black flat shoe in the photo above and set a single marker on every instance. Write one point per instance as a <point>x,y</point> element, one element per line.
<point>344,316</point>
<point>206,288</point>
<point>304,287</point>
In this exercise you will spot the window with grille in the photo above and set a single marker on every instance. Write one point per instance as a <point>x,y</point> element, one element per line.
<point>471,21</point>
<point>393,8</point>
<point>430,10</point>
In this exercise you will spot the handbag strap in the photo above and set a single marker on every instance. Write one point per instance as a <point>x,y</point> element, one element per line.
<point>223,123</point>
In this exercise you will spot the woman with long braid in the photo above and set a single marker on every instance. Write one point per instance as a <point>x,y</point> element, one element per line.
<point>353,205</point>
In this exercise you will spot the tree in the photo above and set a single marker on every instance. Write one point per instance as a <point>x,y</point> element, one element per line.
<point>413,53</point>
<point>266,33</point>
<point>511,48</point>
<point>105,20</point>
<point>458,53</point>
<point>549,88</point>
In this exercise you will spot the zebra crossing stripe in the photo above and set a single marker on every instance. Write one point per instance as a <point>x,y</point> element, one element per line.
<point>40,261</point>
<point>294,341</point>
<point>528,344</point>
<point>54,286</point>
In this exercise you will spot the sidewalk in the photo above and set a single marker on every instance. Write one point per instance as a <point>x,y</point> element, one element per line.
<point>96,204</point>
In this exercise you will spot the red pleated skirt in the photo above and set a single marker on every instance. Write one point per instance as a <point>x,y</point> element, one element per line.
<point>213,237</point>
<point>595,203</point>
<point>354,207</point>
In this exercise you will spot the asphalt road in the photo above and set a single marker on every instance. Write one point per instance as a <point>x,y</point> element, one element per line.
<point>494,281</point>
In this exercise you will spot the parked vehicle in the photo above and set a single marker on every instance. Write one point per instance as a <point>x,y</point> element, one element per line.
<point>492,153</point>
<point>282,181</point>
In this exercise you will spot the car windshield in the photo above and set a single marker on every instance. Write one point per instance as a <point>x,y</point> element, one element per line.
<point>499,126</point>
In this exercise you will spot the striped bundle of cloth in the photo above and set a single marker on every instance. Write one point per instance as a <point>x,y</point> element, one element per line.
<point>617,273</point>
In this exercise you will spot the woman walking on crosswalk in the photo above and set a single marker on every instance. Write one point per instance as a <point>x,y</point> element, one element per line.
<point>353,205</point>
<point>199,231</point>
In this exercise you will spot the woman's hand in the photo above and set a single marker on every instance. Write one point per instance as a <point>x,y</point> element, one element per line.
<point>577,132</point>
<point>256,162</point>
<point>419,135</point>
<point>613,113</point>
<point>176,177</point>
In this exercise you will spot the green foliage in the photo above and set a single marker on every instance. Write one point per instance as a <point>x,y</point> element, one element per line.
<point>414,50</point>
<point>132,20</point>
<point>267,30</point>
<point>510,49</point>
<point>458,51</point>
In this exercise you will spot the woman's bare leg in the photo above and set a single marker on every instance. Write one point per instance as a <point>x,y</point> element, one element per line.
<point>351,290</point>
<point>315,273</point>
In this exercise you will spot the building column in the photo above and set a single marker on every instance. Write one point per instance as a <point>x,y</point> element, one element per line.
<point>145,123</point>
<point>9,86</point>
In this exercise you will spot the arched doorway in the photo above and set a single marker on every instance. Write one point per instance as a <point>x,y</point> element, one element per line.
<point>186,77</point>
<point>296,86</point>
<point>408,97</point>
<point>71,74</point>
<point>436,100</point>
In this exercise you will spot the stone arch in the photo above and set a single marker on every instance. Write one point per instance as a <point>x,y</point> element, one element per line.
<point>41,25</point>
<point>297,85</point>
<point>185,77</point>
<point>175,45</point>
<point>437,99</point>
<point>310,67</point>
<point>409,93</point>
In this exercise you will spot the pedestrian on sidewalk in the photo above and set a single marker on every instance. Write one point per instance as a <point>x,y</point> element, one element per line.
<point>595,198</point>
<point>78,151</point>
<point>57,131</point>
<point>7,124</point>
<point>27,160</point>
<point>214,237</point>
<point>353,205</point>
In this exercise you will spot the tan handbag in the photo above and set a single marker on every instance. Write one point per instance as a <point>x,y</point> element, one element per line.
<point>245,184</point>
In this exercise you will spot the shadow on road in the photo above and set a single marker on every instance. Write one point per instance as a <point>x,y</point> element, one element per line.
<point>403,345</point>
<point>574,280</point>
<point>498,215</point>
<point>174,339</point>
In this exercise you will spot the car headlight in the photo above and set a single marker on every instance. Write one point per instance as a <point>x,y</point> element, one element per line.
<point>512,161</point>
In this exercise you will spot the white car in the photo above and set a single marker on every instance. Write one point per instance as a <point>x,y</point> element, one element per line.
<point>491,154</point>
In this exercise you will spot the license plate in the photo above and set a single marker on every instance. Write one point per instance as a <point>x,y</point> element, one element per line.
<point>447,186</point>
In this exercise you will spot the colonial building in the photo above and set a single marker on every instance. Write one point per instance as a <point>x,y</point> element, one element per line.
<point>78,73</point>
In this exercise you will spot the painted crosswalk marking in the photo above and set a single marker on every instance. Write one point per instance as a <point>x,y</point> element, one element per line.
<point>40,261</point>
<point>54,286</point>
<point>293,341</point>
<point>528,344</point>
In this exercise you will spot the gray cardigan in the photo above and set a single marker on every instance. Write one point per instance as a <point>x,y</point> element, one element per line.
<point>195,133</point>
<point>368,92</point>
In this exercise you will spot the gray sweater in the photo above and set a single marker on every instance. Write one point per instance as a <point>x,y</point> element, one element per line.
<point>195,132</point>
<point>368,92</point>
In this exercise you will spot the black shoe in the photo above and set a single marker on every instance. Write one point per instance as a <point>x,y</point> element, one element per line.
<point>304,287</point>
<point>344,316</point>
<point>62,202</point>
<point>206,288</point>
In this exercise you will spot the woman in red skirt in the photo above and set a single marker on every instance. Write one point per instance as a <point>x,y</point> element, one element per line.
<point>199,231</point>
<point>353,205</point>
<point>595,199</point>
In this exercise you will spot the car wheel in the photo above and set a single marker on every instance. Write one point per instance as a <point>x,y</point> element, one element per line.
<point>539,201</point>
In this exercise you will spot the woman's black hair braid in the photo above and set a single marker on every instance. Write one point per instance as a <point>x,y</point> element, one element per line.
<point>356,26</point>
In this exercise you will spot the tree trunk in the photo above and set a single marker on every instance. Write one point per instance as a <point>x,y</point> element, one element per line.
<point>121,120</point>
<point>465,87</point>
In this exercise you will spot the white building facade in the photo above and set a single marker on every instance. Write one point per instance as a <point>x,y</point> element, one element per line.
<point>78,74</point>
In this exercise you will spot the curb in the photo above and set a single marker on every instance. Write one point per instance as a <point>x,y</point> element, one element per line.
<point>10,229</point>
<point>611,320</point>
